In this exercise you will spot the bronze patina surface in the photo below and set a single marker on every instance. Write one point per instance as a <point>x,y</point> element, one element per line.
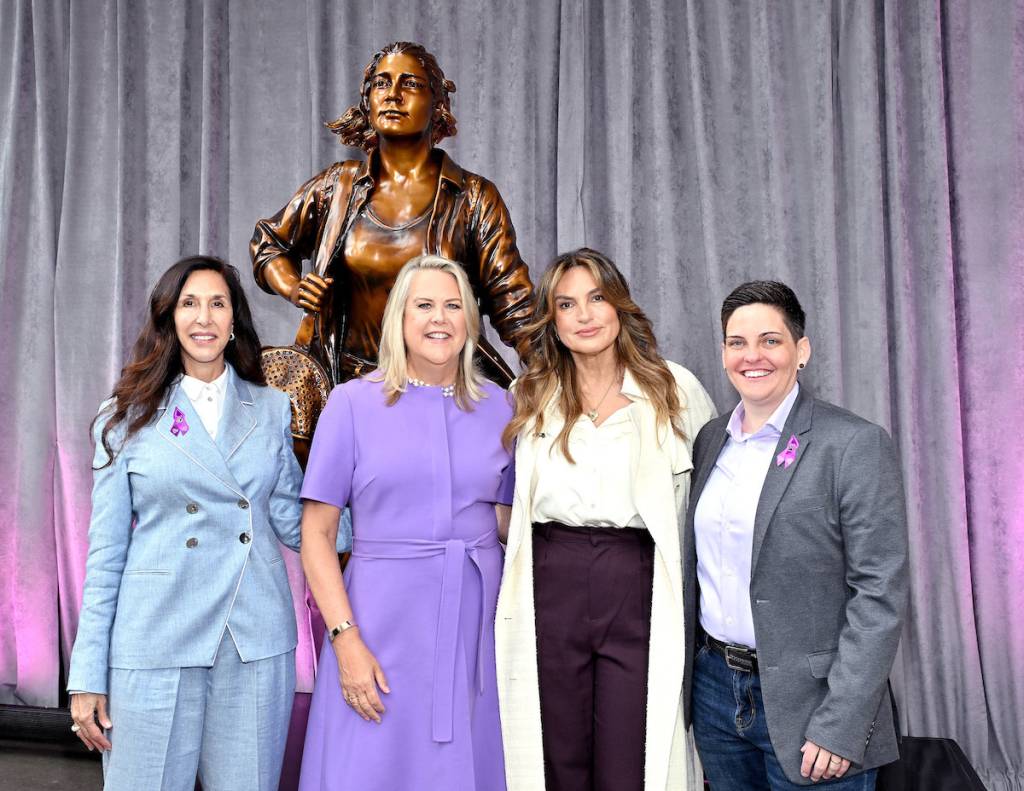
<point>359,221</point>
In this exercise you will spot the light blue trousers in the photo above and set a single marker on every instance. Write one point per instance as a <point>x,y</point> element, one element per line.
<point>228,722</point>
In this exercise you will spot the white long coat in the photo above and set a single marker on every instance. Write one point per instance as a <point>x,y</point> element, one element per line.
<point>661,486</point>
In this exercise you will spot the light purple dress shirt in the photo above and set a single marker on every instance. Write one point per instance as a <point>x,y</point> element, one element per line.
<point>724,524</point>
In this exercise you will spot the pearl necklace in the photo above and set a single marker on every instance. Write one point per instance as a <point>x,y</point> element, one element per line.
<point>447,391</point>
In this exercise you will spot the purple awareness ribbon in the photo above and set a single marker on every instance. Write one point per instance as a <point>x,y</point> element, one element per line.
<point>180,424</point>
<point>788,456</point>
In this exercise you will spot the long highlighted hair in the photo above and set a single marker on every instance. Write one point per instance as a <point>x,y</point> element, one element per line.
<point>551,371</point>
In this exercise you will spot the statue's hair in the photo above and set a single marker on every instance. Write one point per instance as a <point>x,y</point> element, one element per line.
<point>393,364</point>
<point>551,371</point>
<point>353,126</point>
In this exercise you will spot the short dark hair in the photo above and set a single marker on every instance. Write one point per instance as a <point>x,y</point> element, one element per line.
<point>766,292</point>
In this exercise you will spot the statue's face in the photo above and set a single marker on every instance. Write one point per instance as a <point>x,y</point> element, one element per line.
<point>401,103</point>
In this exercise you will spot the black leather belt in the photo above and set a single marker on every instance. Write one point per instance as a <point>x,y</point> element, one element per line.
<point>737,657</point>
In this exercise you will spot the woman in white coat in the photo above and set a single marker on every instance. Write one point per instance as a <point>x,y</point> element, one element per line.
<point>589,627</point>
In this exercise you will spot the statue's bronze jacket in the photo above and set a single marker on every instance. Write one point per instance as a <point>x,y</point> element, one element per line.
<point>469,223</point>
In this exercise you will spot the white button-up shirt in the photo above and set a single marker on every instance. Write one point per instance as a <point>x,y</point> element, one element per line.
<point>724,524</point>
<point>597,491</point>
<point>207,398</point>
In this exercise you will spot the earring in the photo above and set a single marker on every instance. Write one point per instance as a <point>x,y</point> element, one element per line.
<point>231,337</point>
<point>801,366</point>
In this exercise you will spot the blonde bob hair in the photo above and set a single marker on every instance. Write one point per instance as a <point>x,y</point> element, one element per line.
<point>393,364</point>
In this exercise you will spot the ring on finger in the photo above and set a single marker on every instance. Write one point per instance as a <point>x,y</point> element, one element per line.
<point>76,728</point>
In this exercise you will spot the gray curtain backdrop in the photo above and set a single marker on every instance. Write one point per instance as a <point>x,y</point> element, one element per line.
<point>867,152</point>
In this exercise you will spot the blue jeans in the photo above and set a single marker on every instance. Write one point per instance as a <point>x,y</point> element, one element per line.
<point>731,733</point>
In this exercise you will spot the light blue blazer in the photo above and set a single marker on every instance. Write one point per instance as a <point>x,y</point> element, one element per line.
<point>183,540</point>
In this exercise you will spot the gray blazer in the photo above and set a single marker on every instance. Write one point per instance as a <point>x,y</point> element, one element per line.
<point>828,584</point>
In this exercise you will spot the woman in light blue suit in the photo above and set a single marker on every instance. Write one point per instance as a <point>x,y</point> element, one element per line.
<point>184,659</point>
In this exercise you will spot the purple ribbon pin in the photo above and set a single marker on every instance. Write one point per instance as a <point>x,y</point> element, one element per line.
<point>788,456</point>
<point>180,424</point>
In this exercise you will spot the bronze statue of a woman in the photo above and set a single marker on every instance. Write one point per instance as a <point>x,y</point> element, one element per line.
<point>359,221</point>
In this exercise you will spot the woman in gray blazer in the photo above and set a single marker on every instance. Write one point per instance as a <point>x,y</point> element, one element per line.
<point>184,658</point>
<point>795,558</point>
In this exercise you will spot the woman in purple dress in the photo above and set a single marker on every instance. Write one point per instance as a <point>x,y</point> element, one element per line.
<point>415,450</point>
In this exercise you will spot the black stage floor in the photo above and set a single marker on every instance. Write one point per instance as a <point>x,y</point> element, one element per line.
<point>33,766</point>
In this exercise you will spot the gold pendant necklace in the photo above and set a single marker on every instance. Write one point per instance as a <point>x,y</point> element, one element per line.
<point>592,414</point>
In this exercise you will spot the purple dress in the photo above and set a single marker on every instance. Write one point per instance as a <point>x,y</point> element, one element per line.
<point>421,478</point>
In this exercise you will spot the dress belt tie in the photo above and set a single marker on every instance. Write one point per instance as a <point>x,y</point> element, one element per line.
<point>455,552</point>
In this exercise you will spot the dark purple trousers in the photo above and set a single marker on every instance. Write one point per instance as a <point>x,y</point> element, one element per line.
<point>592,595</point>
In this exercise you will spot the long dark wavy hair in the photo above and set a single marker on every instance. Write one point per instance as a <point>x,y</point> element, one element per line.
<point>354,128</point>
<point>155,359</point>
<point>550,367</point>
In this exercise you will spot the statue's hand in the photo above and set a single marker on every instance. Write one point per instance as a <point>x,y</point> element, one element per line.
<point>309,292</point>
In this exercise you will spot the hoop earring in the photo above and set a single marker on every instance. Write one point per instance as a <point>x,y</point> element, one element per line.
<point>231,337</point>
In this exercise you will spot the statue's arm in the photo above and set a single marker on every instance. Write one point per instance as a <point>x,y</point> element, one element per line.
<point>280,243</point>
<point>506,291</point>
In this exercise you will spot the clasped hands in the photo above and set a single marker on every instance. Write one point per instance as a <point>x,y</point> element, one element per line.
<point>360,675</point>
<point>820,764</point>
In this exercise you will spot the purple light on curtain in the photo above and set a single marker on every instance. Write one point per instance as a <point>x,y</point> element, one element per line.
<point>73,491</point>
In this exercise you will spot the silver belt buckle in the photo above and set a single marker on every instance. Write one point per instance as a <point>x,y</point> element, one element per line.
<point>738,659</point>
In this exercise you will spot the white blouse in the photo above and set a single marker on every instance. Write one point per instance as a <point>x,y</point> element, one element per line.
<point>596,491</point>
<point>207,399</point>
